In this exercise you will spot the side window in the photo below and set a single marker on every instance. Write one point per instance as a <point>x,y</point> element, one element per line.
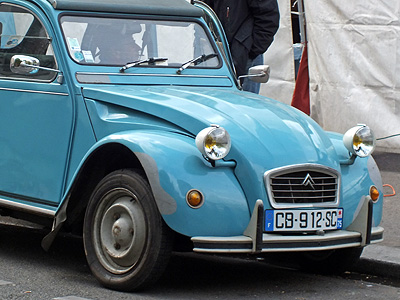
<point>22,33</point>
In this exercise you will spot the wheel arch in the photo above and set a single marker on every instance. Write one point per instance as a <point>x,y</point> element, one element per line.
<point>105,159</point>
<point>122,150</point>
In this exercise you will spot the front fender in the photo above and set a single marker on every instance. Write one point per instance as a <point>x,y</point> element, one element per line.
<point>174,166</point>
<point>357,179</point>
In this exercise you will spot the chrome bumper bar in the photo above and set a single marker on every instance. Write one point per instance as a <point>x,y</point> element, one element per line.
<point>359,234</point>
<point>284,243</point>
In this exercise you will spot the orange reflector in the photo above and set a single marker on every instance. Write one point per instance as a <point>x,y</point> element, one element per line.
<point>374,193</point>
<point>194,198</point>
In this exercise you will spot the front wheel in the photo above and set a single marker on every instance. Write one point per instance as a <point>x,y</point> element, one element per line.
<point>329,261</point>
<point>127,244</point>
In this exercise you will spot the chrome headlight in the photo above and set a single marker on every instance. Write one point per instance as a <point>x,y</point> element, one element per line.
<point>359,140</point>
<point>213,142</point>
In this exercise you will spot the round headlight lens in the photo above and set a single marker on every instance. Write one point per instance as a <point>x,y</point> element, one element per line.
<point>359,140</point>
<point>213,142</point>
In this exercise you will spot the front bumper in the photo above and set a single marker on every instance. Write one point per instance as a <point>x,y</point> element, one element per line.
<point>359,234</point>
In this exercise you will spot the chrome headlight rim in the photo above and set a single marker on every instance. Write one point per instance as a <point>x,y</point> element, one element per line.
<point>360,140</point>
<point>213,142</point>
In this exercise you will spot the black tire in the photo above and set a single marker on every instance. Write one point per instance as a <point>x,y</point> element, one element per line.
<point>127,243</point>
<point>329,261</point>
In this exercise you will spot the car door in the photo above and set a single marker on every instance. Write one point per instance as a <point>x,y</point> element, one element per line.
<point>36,111</point>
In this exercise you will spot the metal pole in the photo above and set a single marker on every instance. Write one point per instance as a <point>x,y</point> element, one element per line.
<point>302,21</point>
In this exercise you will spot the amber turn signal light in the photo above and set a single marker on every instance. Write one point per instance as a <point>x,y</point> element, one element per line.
<point>194,198</point>
<point>374,193</point>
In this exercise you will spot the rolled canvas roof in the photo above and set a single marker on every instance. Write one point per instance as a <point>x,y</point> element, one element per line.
<point>155,7</point>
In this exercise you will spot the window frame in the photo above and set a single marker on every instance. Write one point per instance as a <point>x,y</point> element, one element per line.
<point>146,18</point>
<point>29,78</point>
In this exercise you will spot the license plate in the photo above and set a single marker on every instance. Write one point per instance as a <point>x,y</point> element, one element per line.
<point>303,220</point>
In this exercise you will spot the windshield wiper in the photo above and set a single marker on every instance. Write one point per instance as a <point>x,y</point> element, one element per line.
<point>150,60</point>
<point>196,61</point>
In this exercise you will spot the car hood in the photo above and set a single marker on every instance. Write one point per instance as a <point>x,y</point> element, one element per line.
<point>265,133</point>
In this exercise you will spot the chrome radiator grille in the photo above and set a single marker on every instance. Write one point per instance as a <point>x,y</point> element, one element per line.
<point>301,186</point>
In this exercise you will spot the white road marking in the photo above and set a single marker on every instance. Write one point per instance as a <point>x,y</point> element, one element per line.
<point>70,298</point>
<point>2,282</point>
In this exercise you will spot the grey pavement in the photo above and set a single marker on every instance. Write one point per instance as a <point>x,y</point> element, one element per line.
<point>383,259</point>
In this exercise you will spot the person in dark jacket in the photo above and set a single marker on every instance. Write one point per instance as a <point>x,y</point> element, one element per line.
<point>250,26</point>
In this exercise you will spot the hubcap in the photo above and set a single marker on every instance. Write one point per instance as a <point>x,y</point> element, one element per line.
<point>119,231</point>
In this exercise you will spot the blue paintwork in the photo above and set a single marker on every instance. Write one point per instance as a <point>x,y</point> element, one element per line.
<point>49,137</point>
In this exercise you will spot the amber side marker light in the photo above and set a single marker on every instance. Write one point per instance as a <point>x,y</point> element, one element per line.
<point>194,198</point>
<point>374,193</point>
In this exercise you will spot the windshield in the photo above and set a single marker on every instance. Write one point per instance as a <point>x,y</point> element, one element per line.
<point>117,42</point>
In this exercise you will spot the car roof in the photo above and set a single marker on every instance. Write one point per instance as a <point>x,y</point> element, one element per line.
<point>152,7</point>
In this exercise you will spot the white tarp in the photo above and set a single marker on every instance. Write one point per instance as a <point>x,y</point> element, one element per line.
<point>354,62</point>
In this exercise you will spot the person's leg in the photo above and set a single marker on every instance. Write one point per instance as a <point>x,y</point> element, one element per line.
<point>248,84</point>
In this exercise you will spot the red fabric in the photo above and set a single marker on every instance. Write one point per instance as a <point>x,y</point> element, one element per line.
<point>301,94</point>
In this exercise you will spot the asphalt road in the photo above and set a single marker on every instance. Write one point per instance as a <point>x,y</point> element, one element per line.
<point>27,272</point>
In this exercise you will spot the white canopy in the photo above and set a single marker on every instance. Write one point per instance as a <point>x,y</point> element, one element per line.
<point>354,57</point>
